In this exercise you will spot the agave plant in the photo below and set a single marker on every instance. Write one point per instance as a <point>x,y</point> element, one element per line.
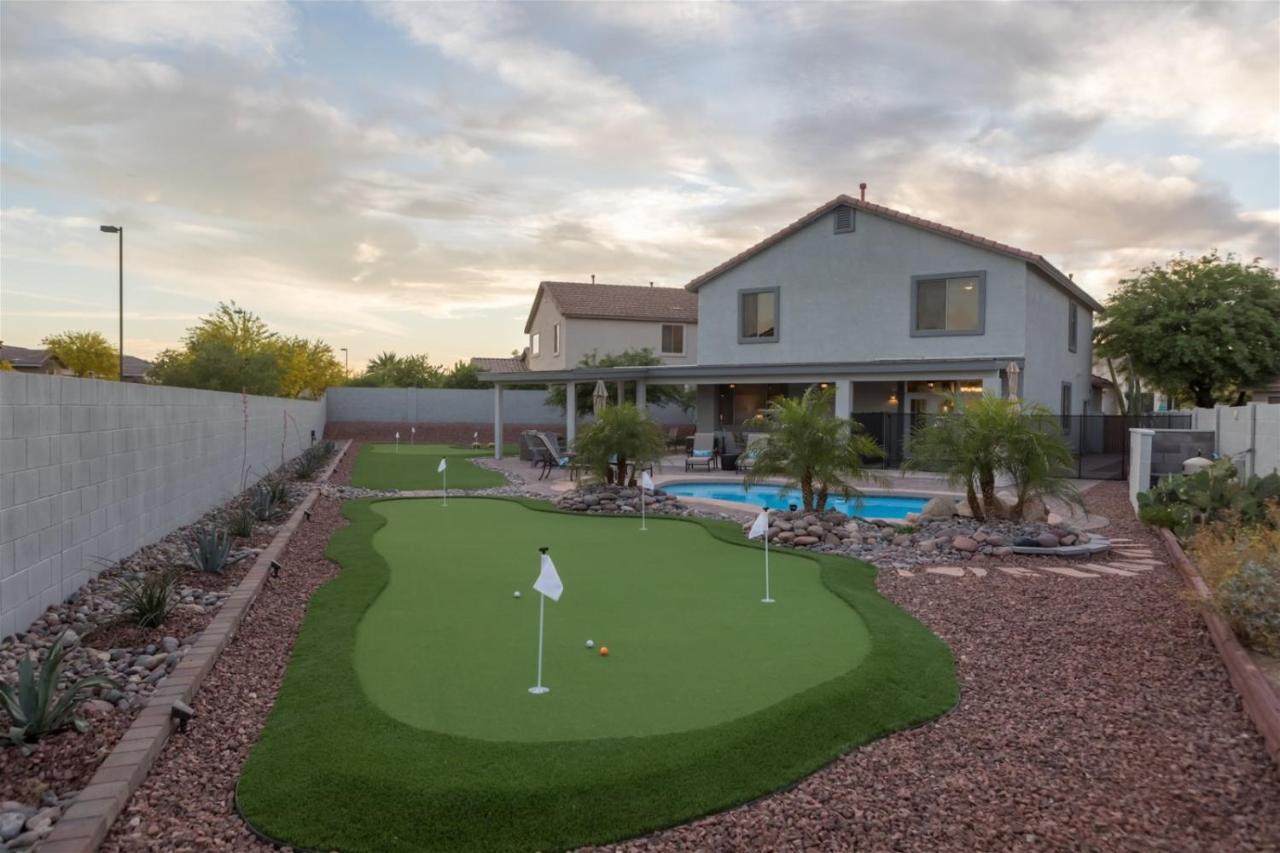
<point>279,488</point>
<point>147,601</point>
<point>210,547</point>
<point>241,523</point>
<point>263,502</point>
<point>32,706</point>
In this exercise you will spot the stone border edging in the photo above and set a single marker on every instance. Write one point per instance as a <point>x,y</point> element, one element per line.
<point>1260,699</point>
<point>86,823</point>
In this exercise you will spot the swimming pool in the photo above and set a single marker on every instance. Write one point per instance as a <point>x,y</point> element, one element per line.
<point>776,497</point>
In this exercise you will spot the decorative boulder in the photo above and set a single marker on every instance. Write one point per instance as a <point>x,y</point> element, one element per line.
<point>939,508</point>
<point>1033,509</point>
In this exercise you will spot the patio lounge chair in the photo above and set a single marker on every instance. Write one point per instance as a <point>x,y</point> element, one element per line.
<point>703,452</point>
<point>529,446</point>
<point>755,443</point>
<point>549,456</point>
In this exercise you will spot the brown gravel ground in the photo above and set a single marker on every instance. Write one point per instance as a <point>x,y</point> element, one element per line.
<point>186,802</point>
<point>1095,715</point>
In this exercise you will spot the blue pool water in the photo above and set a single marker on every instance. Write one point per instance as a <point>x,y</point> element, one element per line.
<point>776,497</point>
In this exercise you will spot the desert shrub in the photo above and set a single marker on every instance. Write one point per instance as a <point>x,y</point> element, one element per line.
<point>148,600</point>
<point>1185,502</point>
<point>241,522</point>
<point>279,489</point>
<point>311,460</point>
<point>1250,601</point>
<point>33,706</point>
<point>262,502</point>
<point>209,547</point>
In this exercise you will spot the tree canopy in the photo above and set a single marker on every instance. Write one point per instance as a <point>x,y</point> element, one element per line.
<point>1200,329</point>
<point>85,354</point>
<point>659,395</point>
<point>233,349</point>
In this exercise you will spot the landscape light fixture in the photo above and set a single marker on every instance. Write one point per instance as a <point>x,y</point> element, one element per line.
<point>306,513</point>
<point>275,569</point>
<point>181,712</point>
<point>119,231</point>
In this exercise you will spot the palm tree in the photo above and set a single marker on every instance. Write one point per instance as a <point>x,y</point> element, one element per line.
<point>812,448</point>
<point>983,438</point>
<point>619,435</point>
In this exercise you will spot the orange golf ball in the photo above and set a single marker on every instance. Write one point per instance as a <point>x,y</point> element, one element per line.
<point>604,651</point>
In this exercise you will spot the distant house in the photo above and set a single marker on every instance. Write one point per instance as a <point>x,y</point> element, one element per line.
<point>27,360</point>
<point>1269,393</point>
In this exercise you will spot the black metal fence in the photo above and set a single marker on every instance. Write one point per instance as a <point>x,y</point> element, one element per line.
<point>1100,443</point>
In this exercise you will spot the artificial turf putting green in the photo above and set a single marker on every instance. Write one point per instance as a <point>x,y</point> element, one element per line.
<point>413,467</point>
<point>333,769</point>
<point>448,648</point>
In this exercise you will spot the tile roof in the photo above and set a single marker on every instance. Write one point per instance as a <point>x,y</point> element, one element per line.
<point>28,357</point>
<point>1037,262</point>
<point>500,365</point>
<point>618,302</point>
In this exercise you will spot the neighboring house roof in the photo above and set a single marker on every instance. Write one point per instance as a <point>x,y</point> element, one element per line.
<point>580,299</point>
<point>500,365</point>
<point>1037,262</point>
<point>27,358</point>
<point>1100,381</point>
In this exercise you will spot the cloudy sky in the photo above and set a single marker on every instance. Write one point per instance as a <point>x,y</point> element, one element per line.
<point>401,176</point>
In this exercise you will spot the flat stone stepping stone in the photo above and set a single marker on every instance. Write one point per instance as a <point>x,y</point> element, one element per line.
<point>1140,567</point>
<point>904,573</point>
<point>949,571</point>
<point>1017,571</point>
<point>1108,570</point>
<point>979,571</point>
<point>1063,570</point>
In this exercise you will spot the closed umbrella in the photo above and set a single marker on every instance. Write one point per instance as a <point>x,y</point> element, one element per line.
<point>599,397</point>
<point>1013,370</point>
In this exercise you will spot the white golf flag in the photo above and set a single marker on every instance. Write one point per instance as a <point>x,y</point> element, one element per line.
<point>646,482</point>
<point>440,468</point>
<point>761,525</point>
<point>548,582</point>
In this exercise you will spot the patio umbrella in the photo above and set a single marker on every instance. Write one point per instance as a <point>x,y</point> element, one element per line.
<point>599,397</point>
<point>1013,370</point>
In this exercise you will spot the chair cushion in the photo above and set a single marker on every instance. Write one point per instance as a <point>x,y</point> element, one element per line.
<point>702,454</point>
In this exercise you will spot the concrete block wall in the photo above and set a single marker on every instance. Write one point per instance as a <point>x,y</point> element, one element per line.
<point>95,470</point>
<point>459,406</point>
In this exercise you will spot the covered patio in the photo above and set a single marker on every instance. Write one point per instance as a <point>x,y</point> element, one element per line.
<point>729,395</point>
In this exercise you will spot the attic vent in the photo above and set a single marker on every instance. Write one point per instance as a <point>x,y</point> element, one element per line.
<point>844,219</point>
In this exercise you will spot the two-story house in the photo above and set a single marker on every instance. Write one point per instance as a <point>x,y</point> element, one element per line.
<point>895,311</point>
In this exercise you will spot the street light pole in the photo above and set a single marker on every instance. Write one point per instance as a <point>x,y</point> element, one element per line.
<point>346,362</point>
<point>119,230</point>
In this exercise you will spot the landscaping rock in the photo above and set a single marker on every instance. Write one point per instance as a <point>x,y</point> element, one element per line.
<point>964,543</point>
<point>11,824</point>
<point>1047,540</point>
<point>939,507</point>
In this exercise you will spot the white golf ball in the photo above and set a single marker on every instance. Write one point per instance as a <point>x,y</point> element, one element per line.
<point>515,594</point>
<point>591,644</point>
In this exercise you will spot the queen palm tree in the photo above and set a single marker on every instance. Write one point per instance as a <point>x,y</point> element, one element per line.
<point>811,448</point>
<point>619,435</point>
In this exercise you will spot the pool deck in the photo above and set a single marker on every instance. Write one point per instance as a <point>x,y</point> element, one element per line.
<point>671,470</point>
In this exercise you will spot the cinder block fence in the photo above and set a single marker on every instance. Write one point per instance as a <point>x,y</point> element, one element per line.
<point>93,470</point>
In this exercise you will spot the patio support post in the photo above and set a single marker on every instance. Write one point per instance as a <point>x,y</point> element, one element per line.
<point>497,420</point>
<point>622,396</point>
<point>641,395</point>
<point>570,413</point>
<point>844,398</point>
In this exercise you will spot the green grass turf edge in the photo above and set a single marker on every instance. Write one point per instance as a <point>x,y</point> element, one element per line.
<point>332,771</point>
<point>417,471</point>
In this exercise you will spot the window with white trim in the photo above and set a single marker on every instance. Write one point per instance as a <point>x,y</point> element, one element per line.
<point>1073,327</point>
<point>535,344</point>
<point>555,339</point>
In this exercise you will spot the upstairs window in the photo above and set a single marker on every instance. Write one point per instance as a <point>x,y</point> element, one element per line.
<point>758,316</point>
<point>535,344</point>
<point>555,339</point>
<point>1065,405</point>
<point>1073,326</point>
<point>673,340</point>
<point>948,304</point>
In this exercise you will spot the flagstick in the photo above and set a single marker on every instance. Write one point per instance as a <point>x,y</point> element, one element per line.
<point>445,474</point>
<point>767,599</point>
<point>538,690</point>
<point>643,528</point>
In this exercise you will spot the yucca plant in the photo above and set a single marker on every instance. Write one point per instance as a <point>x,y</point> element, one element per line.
<point>309,463</point>
<point>148,600</point>
<point>279,488</point>
<point>209,547</point>
<point>32,706</point>
<point>241,523</point>
<point>263,502</point>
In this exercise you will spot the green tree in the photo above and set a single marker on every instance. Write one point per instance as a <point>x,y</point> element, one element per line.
<point>981,439</point>
<point>233,349</point>
<point>1201,328</point>
<point>659,395</point>
<point>812,448</point>
<point>388,370</point>
<point>85,354</point>
<point>622,435</point>
<point>464,375</point>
